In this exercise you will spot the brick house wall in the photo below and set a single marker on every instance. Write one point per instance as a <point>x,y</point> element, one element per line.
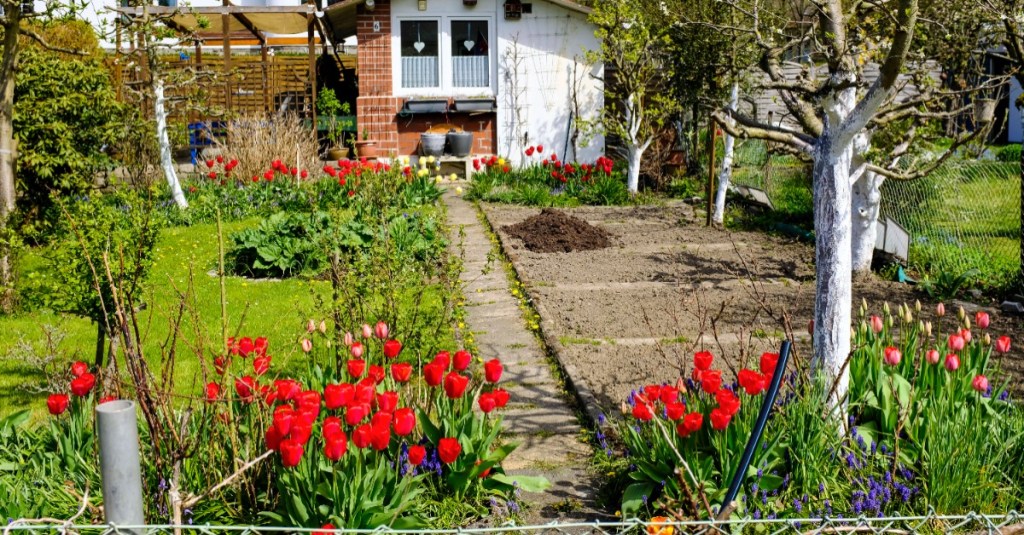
<point>377,109</point>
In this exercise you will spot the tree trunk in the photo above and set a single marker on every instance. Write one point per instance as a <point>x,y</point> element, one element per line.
<point>832,251</point>
<point>7,145</point>
<point>867,203</point>
<point>166,160</point>
<point>634,154</point>
<point>101,343</point>
<point>725,174</point>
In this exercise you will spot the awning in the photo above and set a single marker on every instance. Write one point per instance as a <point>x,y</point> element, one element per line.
<point>209,21</point>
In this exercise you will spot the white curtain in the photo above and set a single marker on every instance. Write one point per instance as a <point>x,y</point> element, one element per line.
<point>419,71</point>
<point>470,71</point>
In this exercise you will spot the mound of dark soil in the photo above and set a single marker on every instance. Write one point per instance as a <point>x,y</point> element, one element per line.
<point>552,231</point>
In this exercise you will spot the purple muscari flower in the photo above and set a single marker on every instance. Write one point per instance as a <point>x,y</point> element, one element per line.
<point>798,505</point>
<point>764,499</point>
<point>760,473</point>
<point>601,419</point>
<point>804,498</point>
<point>874,447</point>
<point>821,487</point>
<point>885,450</point>
<point>988,392</point>
<point>1004,395</point>
<point>850,460</point>
<point>753,488</point>
<point>644,499</point>
<point>630,398</point>
<point>513,506</point>
<point>757,514</point>
<point>771,516</point>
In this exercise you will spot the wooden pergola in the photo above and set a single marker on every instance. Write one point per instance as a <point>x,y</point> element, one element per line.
<point>231,22</point>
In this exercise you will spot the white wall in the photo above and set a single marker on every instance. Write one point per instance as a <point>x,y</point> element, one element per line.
<point>551,44</point>
<point>1014,133</point>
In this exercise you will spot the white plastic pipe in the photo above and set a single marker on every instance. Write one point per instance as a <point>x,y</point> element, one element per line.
<point>120,468</point>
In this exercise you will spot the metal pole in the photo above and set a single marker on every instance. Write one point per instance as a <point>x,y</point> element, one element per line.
<point>120,467</point>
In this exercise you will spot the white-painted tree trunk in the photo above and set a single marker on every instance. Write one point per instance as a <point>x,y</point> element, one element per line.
<point>832,252</point>
<point>634,155</point>
<point>635,146</point>
<point>867,203</point>
<point>725,174</point>
<point>166,160</point>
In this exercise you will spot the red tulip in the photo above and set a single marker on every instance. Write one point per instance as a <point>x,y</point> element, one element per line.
<point>416,454</point>
<point>365,391</point>
<point>282,420</point>
<point>529,151</point>
<point>356,367</point>
<point>711,381</point>
<point>719,419</point>
<point>381,330</point>
<point>272,438</point>
<point>1003,344</point>
<point>106,399</point>
<point>404,421</point>
<point>309,397</point>
<point>980,383</point>
<point>669,394</point>
<point>642,412</point>
<point>57,403</point>
<point>727,401</point>
<point>246,346</point>
<point>209,164</point>
<point>331,427</point>
<point>401,371</point>
<point>876,324</point>
<point>492,370</point>
<point>433,373</point>
<point>268,176</point>
<point>768,363</point>
<point>245,388</point>
<point>78,368</point>
<point>260,345</point>
<point>338,396</point>
<point>455,385</point>
<point>966,335</point>
<point>540,148</point>
<point>387,401</point>
<point>304,174</point>
<point>325,526</point>
<point>691,423</point>
<point>952,362</point>
<point>486,402</point>
<point>376,373</point>
<point>392,348</point>
<point>356,350</point>
<point>443,358</point>
<point>220,365</point>
<point>81,385</point>
<point>260,365</point>
<point>334,447</point>
<point>291,453</point>
<point>752,382</point>
<point>462,360</point>
<point>362,435</point>
<point>220,159</point>
<point>956,342</point>
<point>380,437</point>
<point>295,171</point>
<point>932,356</point>
<point>501,397</point>
<point>982,319</point>
<point>355,414</point>
<point>892,356</point>
<point>287,389</point>
<point>212,392</point>
<point>448,449</point>
<point>301,431</point>
<point>702,360</point>
<point>675,410</point>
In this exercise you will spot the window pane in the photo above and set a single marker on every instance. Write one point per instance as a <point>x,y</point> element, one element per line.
<point>470,54</point>
<point>419,53</point>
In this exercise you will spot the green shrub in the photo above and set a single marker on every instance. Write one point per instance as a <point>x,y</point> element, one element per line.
<point>1009,154</point>
<point>288,244</point>
<point>605,191</point>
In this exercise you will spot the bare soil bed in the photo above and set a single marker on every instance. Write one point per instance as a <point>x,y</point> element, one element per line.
<point>635,311</point>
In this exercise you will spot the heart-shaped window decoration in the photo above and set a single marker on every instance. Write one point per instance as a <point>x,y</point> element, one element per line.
<point>419,45</point>
<point>469,44</point>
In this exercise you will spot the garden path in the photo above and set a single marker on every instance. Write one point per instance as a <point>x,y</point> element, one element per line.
<point>540,416</point>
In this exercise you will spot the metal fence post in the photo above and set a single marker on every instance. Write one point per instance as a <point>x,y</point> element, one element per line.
<point>120,467</point>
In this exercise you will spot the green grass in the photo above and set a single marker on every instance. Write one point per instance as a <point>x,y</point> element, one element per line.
<point>275,309</point>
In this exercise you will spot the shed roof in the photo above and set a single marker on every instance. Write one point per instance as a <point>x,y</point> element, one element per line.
<point>256,20</point>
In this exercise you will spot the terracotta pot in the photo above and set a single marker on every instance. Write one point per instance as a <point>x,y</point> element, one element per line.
<point>366,149</point>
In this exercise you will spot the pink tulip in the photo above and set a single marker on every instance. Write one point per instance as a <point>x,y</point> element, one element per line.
<point>381,330</point>
<point>940,310</point>
<point>323,327</point>
<point>1003,344</point>
<point>876,324</point>
<point>892,356</point>
<point>982,319</point>
<point>367,332</point>
<point>349,339</point>
<point>356,350</point>
<point>966,335</point>
<point>932,356</point>
<point>952,362</point>
<point>307,345</point>
<point>956,342</point>
<point>980,383</point>
<point>310,326</point>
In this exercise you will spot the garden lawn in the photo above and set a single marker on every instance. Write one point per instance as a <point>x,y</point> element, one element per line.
<point>275,309</point>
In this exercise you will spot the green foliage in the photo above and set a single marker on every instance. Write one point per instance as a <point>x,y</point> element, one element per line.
<point>287,244</point>
<point>119,229</point>
<point>544,181</point>
<point>605,190</point>
<point>66,113</point>
<point>948,285</point>
<point>1009,154</point>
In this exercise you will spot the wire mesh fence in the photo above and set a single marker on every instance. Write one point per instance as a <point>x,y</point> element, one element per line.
<point>963,218</point>
<point>1004,524</point>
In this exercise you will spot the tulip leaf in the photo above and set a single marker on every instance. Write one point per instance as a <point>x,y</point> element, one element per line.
<point>526,483</point>
<point>633,498</point>
<point>770,482</point>
<point>429,429</point>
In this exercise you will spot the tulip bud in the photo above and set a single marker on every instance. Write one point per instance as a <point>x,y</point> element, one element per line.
<point>349,339</point>
<point>940,310</point>
<point>307,345</point>
<point>367,332</point>
<point>917,306</point>
<point>885,308</point>
<point>381,330</point>
<point>960,313</point>
<point>323,327</point>
<point>853,332</point>
<point>310,326</point>
<point>920,326</point>
<point>987,340</point>
<point>625,408</point>
<point>928,328</point>
<point>681,385</point>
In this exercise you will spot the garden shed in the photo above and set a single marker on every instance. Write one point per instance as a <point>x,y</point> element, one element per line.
<point>514,73</point>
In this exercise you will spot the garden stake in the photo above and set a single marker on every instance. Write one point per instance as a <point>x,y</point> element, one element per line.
<point>762,419</point>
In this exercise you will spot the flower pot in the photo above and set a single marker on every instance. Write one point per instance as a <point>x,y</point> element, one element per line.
<point>366,149</point>
<point>336,153</point>
<point>426,106</point>
<point>474,105</point>
<point>432,144</point>
<point>984,110</point>
<point>460,143</point>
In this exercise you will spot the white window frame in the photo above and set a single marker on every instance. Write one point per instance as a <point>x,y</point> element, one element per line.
<point>447,87</point>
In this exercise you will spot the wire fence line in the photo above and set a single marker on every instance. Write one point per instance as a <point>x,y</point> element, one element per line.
<point>1005,524</point>
<point>964,216</point>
